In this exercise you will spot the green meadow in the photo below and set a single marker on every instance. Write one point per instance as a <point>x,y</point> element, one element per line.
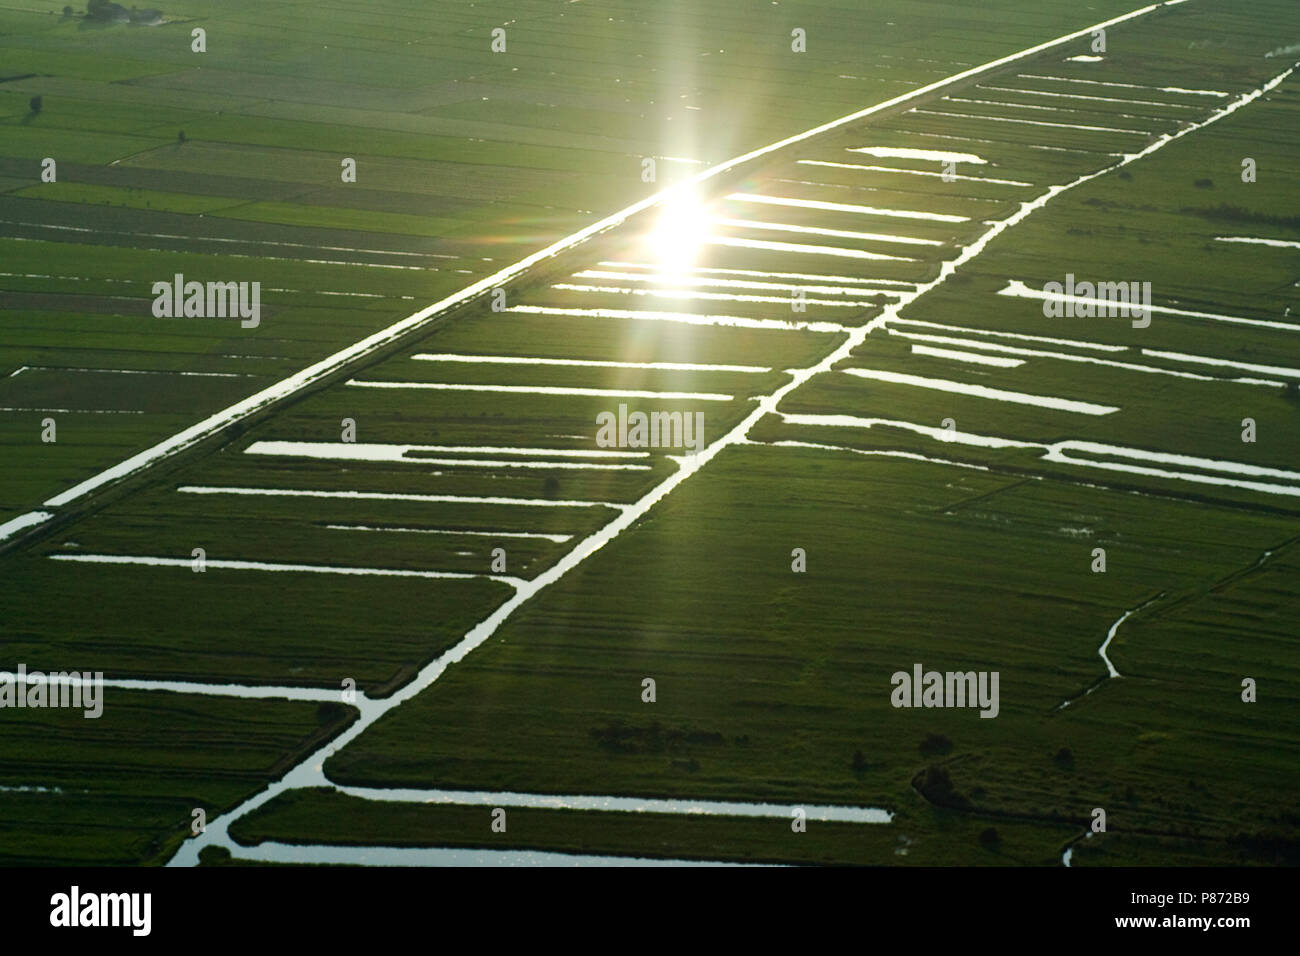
<point>772,595</point>
<point>768,683</point>
<point>467,157</point>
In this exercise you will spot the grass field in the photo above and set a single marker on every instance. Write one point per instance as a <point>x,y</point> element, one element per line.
<point>122,789</point>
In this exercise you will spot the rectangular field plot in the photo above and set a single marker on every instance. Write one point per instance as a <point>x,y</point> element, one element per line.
<point>121,789</point>
<point>282,627</point>
<point>922,837</point>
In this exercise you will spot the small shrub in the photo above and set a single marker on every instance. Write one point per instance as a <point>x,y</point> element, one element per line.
<point>936,786</point>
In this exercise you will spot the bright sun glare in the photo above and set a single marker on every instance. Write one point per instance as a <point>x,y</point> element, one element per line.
<point>678,233</point>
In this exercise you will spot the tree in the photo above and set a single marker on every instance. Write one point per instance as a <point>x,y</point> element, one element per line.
<point>180,137</point>
<point>35,103</point>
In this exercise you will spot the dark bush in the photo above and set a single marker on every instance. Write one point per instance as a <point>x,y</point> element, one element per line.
<point>1226,212</point>
<point>936,786</point>
<point>621,738</point>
